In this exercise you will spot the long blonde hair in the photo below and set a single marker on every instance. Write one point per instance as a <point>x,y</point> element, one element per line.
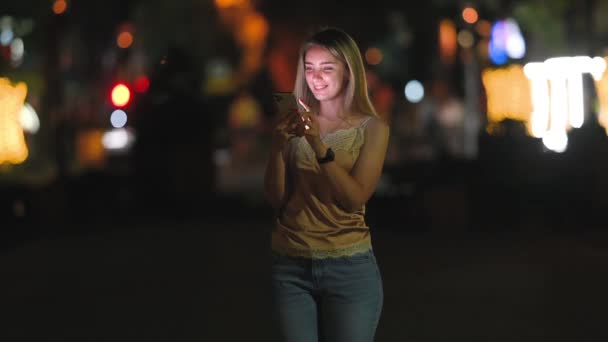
<point>344,48</point>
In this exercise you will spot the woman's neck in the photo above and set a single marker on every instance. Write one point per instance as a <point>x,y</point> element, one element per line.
<point>332,110</point>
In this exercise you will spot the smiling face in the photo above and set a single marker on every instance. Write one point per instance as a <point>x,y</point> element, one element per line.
<point>325,74</point>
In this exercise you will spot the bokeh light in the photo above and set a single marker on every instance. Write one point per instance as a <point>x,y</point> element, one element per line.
<point>414,91</point>
<point>90,151</point>
<point>6,35</point>
<point>29,119</point>
<point>118,118</point>
<point>601,85</point>
<point>469,15</point>
<point>117,139</point>
<point>556,141</point>
<point>448,41</point>
<point>516,46</point>
<point>483,28</point>
<point>121,95</point>
<point>482,49</point>
<point>60,6</point>
<point>141,84</point>
<point>558,96</point>
<point>508,95</point>
<point>124,39</point>
<point>13,149</point>
<point>373,56</point>
<point>506,41</point>
<point>254,29</point>
<point>17,49</point>
<point>230,3</point>
<point>466,39</point>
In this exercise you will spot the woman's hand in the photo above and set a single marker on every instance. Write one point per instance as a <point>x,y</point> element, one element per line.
<point>308,126</point>
<point>285,128</point>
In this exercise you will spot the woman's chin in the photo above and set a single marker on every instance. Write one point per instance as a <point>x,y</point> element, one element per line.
<point>320,97</point>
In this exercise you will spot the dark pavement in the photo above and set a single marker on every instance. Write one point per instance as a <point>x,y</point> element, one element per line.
<point>206,281</point>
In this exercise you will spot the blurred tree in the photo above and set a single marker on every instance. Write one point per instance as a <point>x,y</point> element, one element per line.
<point>543,22</point>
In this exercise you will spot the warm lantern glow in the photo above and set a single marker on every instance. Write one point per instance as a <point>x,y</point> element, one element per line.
<point>602,94</point>
<point>13,149</point>
<point>508,94</point>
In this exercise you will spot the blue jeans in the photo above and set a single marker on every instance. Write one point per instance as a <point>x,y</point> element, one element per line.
<point>331,299</point>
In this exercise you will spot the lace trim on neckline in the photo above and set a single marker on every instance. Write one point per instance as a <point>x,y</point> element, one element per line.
<point>360,126</point>
<point>331,134</point>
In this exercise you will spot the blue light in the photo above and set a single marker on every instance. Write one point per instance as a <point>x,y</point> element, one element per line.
<point>497,49</point>
<point>497,54</point>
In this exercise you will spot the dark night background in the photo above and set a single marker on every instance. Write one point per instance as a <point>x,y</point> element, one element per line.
<point>166,238</point>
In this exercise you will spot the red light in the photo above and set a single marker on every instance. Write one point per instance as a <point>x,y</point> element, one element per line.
<point>141,84</point>
<point>121,95</point>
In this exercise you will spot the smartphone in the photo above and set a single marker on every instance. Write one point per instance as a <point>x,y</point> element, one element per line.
<point>284,103</point>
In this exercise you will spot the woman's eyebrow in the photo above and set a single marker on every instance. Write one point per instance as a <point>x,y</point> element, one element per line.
<point>328,62</point>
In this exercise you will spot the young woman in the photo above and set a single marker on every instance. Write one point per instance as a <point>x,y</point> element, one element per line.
<point>324,165</point>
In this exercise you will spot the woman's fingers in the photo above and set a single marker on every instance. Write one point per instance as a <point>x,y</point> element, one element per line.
<point>308,119</point>
<point>304,121</point>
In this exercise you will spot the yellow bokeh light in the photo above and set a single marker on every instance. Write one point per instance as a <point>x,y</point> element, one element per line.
<point>59,6</point>
<point>244,112</point>
<point>508,95</point>
<point>124,39</point>
<point>89,148</point>
<point>373,56</point>
<point>13,149</point>
<point>602,94</point>
<point>121,95</point>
